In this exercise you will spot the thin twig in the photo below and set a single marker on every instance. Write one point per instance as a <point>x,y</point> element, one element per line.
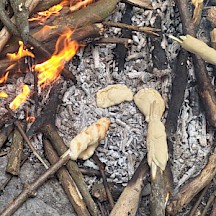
<point>102,168</point>
<point>22,132</point>
<point>194,209</point>
<point>147,30</point>
<point>30,189</point>
<point>210,200</point>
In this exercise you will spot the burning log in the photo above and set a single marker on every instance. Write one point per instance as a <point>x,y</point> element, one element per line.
<point>67,182</point>
<point>192,188</point>
<point>128,202</point>
<point>14,156</point>
<point>4,133</point>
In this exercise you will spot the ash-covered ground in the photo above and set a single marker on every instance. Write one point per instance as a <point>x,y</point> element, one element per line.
<point>95,67</point>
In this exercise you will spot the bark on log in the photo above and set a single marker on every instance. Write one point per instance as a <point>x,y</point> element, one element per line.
<point>14,157</point>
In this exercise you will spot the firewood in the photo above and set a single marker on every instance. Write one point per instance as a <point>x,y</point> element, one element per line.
<point>128,201</point>
<point>46,124</point>
<point>21,14</point>
<point>106,186</point>
<point>189,190</point>
<point>31,188</point>
<point>5,34</point>
<point>4,133</point>
<point>67,182</point>
<point>14,156</point>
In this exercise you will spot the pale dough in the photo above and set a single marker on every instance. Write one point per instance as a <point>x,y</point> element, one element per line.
<point>145,97</point>
<point>113,95</point>
<point>84,144</point>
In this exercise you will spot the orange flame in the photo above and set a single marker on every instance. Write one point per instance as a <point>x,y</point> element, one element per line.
<point>49,71</point>
<point>3,94</point>
<point>80,4</point>
<point>30,119</point>
<point>21,53</point>
<point>20,98</point>
<point>44,15</point>
<point>4,78</point>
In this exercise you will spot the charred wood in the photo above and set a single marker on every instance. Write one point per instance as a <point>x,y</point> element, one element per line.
<point>4,133</point>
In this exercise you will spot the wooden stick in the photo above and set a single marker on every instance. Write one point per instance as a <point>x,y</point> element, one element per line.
<point>31,188</point>
<point>206,90</point>
<point>5,34</point>
<point>14,156</point>
<point>128,202</point>
<point>147,30</point>
<point>67,182</point>
<point>192,188</point>
<point>101,168</point>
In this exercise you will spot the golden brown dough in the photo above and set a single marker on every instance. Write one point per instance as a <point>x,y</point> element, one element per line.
<point>85,143</point>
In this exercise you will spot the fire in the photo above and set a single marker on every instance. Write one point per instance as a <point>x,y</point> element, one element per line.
<point>21,53</point>
<point>4,78</point>
<point>80,4</point>
<point>3,94</point>
<point>44,15</point>
<point>49,71</point>
<point>20,98</point>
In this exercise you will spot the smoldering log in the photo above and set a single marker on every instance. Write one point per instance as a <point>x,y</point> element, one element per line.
<point>14,156</point>
<point>67,182</point>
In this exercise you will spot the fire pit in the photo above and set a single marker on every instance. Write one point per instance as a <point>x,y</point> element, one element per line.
<point>68,55</point>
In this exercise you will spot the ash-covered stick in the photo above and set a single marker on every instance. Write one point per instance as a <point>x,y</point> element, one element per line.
<point>31,188</point>
<point>4,133</point>
<point>128,202</point>
<point>14,156</point>
<point>191,189</point>
<point>67,182</point>
<point>102,171</point>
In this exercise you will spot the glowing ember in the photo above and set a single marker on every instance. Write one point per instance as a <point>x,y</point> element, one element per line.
<point>30,118</point>
<point>20,98</point>
<point>4,78</point>
<point>44,15</point>
<point>80,4</point>
<point>49,71</point>
<point>3,94</point>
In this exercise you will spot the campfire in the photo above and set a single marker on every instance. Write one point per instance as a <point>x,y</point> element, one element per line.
<point>113,100</point>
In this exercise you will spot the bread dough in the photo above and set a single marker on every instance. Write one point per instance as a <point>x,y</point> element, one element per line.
<point>113,95</point>
<point>84,144</point>
<point>145,97</point>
